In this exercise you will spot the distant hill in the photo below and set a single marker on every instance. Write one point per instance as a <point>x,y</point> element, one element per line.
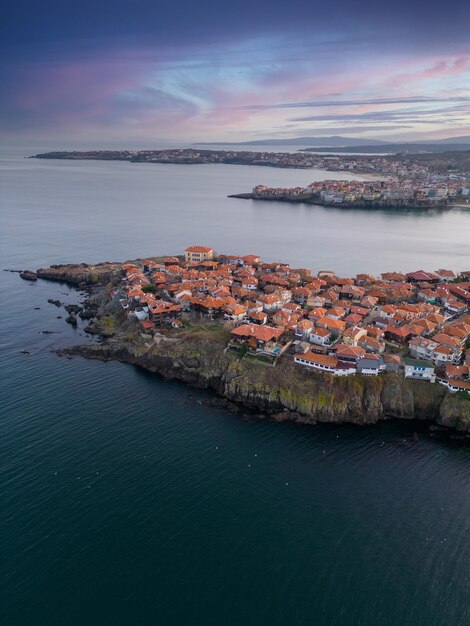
<point>449,140</point>
<point>339,143</point>
<point>393,148</point>
<point>334,140</point>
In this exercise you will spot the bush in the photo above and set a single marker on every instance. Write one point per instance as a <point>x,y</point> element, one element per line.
<point>149,289</point>
<point>243,350</point>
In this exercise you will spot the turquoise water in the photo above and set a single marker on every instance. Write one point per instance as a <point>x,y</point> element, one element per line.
<point>128,500</point>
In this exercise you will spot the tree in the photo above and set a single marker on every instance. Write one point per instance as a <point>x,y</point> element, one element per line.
<point>149,289</point>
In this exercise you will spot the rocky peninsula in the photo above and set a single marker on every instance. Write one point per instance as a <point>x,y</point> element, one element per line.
<point>359,203</point>
<point>197,355</point>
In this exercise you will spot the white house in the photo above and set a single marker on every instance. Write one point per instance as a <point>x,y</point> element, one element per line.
<point>421,370</point>
<point>320,336</point>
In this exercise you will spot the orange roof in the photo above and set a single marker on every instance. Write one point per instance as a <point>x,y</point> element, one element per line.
<point>198,249</point>
<point>270,298</point>
<point>392,358</point>
<point>398,331</point>
<point>318,359</point>
<point>447,340</point>
<point>321,332</point>
<point>460,384</point>
<point>337,312</point>
<point>353,331</point>
<point>456,370</point>
<point>443,350</point>
<point>261,333</point>
<point>458,330</point>
<point>353,318</point>
<point>426,324</point>
<point>236,309</point>
<point>371,342</point>
<point>318,312</point>
<point>257,315</point>
<point>209,302</point>
<point>349,351</point>
<point>329,322</point>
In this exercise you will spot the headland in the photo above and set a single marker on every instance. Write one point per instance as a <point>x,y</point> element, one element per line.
<point>283,342</point>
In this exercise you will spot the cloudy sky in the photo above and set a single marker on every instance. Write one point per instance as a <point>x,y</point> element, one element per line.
<point>151,70</point>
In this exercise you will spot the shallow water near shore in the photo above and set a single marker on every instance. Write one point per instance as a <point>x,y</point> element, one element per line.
<point>128,500</point>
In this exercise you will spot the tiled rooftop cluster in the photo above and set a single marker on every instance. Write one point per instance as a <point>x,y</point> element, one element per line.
<point>417,322</point>
<point>431,190</point>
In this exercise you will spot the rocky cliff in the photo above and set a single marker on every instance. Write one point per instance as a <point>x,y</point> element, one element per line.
<point>81,273</point>
<point>286,391</point>
<point>197,355</point>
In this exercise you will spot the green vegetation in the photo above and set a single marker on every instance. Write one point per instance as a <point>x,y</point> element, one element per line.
<point>149,289</point>
<point>243,349</point>
<point>261,358</point>
<point>108,326</point>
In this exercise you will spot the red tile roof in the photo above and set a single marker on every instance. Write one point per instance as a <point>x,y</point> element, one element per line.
<point>198,249</point>
<point>318,359</point>
<point>261,333</point>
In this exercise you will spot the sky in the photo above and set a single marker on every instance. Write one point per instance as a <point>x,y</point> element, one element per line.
<point>146,72</point>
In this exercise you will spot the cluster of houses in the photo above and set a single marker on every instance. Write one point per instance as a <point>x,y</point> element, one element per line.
<point>418,323</point>
<point>353,191</point>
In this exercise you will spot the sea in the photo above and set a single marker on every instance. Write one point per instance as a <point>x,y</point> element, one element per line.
<point>128,500</point>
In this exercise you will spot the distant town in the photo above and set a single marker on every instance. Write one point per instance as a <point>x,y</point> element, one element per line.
<point>408,181</point>
<point>432,191</point>
<point>416,323</point>
<point>399,165</point>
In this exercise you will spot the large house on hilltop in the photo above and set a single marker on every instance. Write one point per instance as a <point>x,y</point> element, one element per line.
<point>198,254</point>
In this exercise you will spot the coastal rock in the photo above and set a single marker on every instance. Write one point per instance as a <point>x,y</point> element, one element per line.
<point>315,199</point>
<point>288,392</point>
<point>80,274</point>
<point>28,275</point>
<point>71,319</point>
<point>57,303</point>
<point>88,313</point>
<point>73,308</point>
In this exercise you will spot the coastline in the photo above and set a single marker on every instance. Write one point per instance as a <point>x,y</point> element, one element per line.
<point>373,204</point>
<point>286,393</point>
<point>367,176</point>
<point>198,357</point>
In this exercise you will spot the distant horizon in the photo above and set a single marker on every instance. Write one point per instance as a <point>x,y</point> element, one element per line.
<point>30,146</point>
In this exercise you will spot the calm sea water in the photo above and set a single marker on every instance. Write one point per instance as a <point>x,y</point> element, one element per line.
<point>55,211</point>
<point>127,500</point>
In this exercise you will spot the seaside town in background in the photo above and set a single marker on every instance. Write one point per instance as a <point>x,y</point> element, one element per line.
<point>421,180</point>
<point>417,323</point>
